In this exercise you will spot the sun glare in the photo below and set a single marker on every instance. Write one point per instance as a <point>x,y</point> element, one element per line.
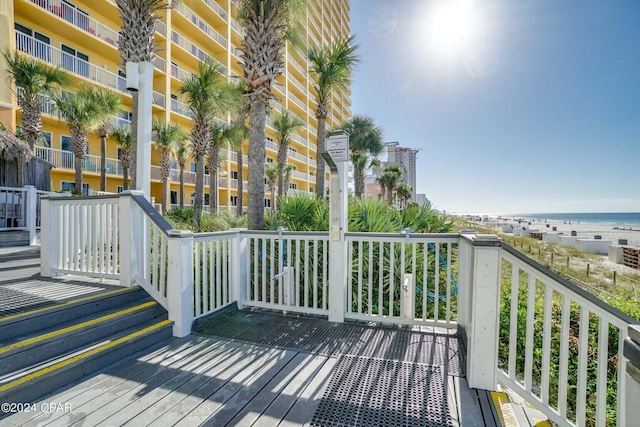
<point>452,26</point>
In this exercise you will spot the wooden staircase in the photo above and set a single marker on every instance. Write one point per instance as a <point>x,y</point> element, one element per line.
<point>46,349</point>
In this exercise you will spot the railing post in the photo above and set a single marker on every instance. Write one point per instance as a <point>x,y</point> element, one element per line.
<point>632,381</point>
<point>32,212</point>
<point>49,236</point>
<point>483,301</point>
<point>180,281</point>
<point>238,267</point>
<point>131,234</point>
<point>338,244</point>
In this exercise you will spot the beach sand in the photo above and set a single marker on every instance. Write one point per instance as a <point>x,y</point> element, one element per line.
<point>585,229</point>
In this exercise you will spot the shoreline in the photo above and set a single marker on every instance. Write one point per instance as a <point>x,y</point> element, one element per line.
<point>611,232</point>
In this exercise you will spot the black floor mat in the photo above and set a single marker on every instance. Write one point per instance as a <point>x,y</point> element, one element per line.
<point>318,336</point>
<point>370,392</point>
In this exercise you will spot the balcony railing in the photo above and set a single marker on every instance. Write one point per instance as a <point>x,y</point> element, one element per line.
<point>158,99</point>
<point>180,108</point>
<point>195,50</point>
<point>236,26</point>
<point>77,66</point>
<point>296,101</point>
<point>297,155</point>
<point>63,159</point>
<point>297,66</point>
<point>179,73</point>
<point>80,20</point>
<point>297,84</point>
<point>216,8</point>
<point>198,22</point>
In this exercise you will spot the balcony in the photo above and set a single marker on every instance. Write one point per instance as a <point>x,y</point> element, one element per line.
<point>198,22</point>
<point>195,50</point>
<point>180,108</point>
<point>79,19</point>
<point>158,99</point>
<point>296,101</point>
<point>66,160</point>
<point>297,156</point>
<point>54,56</point>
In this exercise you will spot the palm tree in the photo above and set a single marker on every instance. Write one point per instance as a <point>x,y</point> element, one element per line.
<point>136,43</point>
<point>123,139</point>
<point>265,25</point>
<point>82,114</point>
<point>182,155</point>
<point>332,67</point>
<point>288,169</point>
<point>221,134</point>
<point>403,191</point>
<point>207,92</point>
<point>236,144</point>
<point>365,140</point>
<point>34,79</point>
<point>166,136</point>
<point>109,103</point>
<point>271,172</point>
<point>285,124</point>
<point>389,180</point>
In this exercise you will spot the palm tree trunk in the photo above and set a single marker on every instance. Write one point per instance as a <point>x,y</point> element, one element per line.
<point>165,195</point>
<point>257,122</point>
<point>240,163</point>
<point>273,201</point>
<point>103,161</point>
<point>198,202</point>
<point>213,186</point>
<point>78,167</point>
<point>125,178</point>
<point>134,138</point>
<point>280,181</point>
<point>319,159</point>
<point>356,179</point>
<point>360,183</point>
<point>181,187</point>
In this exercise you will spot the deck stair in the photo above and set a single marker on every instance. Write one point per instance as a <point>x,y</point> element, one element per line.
<point>48,348</point>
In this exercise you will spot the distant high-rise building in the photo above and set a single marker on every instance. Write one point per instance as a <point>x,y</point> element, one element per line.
<point>406,158</point>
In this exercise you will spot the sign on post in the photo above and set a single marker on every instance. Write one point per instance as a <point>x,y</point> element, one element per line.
<point>338,147</point>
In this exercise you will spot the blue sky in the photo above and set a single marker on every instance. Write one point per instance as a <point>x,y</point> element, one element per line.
<point>518,106</point>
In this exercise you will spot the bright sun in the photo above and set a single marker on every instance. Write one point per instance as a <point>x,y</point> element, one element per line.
<point>452,26</point>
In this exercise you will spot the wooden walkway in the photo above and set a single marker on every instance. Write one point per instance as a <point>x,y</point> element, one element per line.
<point>22,288</point>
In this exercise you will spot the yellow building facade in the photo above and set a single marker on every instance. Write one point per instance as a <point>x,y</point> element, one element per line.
<point>81,36</point>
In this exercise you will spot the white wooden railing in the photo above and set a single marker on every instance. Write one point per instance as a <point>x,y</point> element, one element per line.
<point>81,236</point>
<point>402,279</point>
<point>20,209</point>
<point>287,271</point>
<point>573,345</point>
<point>554,344</point>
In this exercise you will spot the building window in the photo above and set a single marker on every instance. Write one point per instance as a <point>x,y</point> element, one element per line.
<point>119,189</point>
<point>75,61</point>
<point>267,203</point>
<point>206,199</point>
<point>234,174</point>
<point>46,138</point>
<point>71,186</point>
<point>293,186</point>
<point>193,167</point>
<point>233,200</point>
<point>269,160</point>
<point>174,197</point>
<point>65,143</point>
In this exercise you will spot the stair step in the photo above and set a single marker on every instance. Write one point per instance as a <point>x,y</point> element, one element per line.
<point>35,349</point>
<point>24,323</point>
<point>39,381</point>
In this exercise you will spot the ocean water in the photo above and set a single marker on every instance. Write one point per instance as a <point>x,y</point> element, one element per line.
<point>622,219</point>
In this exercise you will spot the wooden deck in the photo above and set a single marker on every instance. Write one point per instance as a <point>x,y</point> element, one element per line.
<point>209,381</point>
<point>229,380</point>
<point>23,289</point>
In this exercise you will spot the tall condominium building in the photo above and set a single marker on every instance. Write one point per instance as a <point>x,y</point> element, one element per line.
<point>81,36</point>
<point>405,157</point>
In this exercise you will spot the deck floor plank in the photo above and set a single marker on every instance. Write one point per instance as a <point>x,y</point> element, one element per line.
<point>206,359</point>
<point>233,396</point>
<point>253,409</point>
<point>151,374</point>
<point>252,358</point>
